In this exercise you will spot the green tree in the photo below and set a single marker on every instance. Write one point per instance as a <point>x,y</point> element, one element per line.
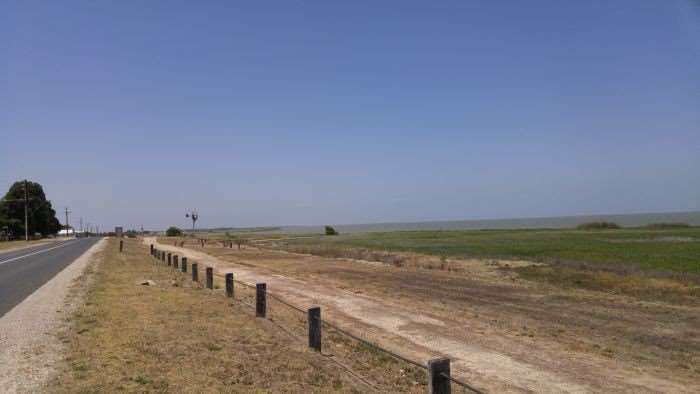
<point>173,231</point>
<point>40,214</point>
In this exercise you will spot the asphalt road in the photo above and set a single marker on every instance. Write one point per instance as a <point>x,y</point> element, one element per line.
<point>23,271</point>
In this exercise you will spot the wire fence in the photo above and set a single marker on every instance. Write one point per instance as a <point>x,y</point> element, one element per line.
<point>353,352</point>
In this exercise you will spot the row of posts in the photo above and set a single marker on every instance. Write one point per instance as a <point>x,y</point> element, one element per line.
<point>313,314</point>
<point>438,369</point>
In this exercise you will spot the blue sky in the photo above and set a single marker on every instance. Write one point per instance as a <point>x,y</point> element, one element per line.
<point>314,112</point>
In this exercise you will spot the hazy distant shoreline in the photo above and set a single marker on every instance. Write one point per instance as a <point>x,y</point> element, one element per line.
<point>625,220</point>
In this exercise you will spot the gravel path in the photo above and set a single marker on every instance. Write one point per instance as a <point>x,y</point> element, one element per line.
<point>29,346</point>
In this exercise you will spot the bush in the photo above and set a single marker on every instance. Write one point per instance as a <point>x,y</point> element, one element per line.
<point>658,226</point>
<point>173,231</point>
<point>597,226</point>
<point>331,231</point>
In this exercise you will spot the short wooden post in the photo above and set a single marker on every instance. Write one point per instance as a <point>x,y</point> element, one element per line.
<point>170,259</point>
<point>229,285</point>
<point>202,242</point>
<point>313,316</point>
<point>121,245</point>
<point>162,256</point>
<point>183,268</point>
<point>438,370</point>
<point>210,278</point>
<point>151,249</point>
<point>260,300</point>
<point>195,273</point>
<point>176,259</point>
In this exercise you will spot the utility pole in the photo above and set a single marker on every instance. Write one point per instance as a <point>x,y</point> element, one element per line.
<point>67,212</point>
<point>26,215</point>
<point>81,225</point>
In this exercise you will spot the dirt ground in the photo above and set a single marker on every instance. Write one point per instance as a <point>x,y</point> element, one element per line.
<point>502,334</point>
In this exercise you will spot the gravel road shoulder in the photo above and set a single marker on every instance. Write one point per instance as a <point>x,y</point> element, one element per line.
<point>29,344</point>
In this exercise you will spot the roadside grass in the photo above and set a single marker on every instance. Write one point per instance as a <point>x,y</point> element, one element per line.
<point>178,337</point>
<point>4,245</point>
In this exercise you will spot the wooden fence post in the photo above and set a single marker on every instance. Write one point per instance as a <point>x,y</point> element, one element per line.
<point>170,259</point>
<point>195,274</point>
<point>260,300</point>
<point>121,245</point>
<point>176,259</point>
<point>210,278</point>
<point>438,383</point>
<point>183,268</point>
<point>229,285</point>
<point>162,256</point>
<point>313,316</point>
<point>151,249</point>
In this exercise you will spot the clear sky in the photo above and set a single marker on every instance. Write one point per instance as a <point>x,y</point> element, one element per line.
<point>315,112</point>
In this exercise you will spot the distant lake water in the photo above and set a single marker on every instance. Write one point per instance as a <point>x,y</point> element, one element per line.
<point>630,220</point>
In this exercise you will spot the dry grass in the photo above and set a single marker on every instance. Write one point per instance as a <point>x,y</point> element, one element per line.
<point>176,336</point>
<point>396,259</point>
<point>619,279</point>
<point>4,245</point>
<point>641,285</point>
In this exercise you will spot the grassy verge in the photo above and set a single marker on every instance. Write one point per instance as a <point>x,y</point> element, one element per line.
<point>175,336</point>
<point>4,245</point>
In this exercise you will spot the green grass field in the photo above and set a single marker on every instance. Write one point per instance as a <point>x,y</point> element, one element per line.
<point>675,250</point>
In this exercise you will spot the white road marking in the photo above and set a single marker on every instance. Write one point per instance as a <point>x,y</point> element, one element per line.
<point>37,252</point>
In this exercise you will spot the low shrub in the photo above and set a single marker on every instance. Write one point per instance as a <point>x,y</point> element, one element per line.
<point>661,226</point>
<point>331,231</point>
<point>598,226</point>
<point>173,231</point>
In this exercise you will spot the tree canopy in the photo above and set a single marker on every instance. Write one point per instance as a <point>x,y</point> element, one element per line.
<point>173,231</point>
<point>41,215</point>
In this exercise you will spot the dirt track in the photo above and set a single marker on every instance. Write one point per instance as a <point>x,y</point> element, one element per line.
<point>502,334</point>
